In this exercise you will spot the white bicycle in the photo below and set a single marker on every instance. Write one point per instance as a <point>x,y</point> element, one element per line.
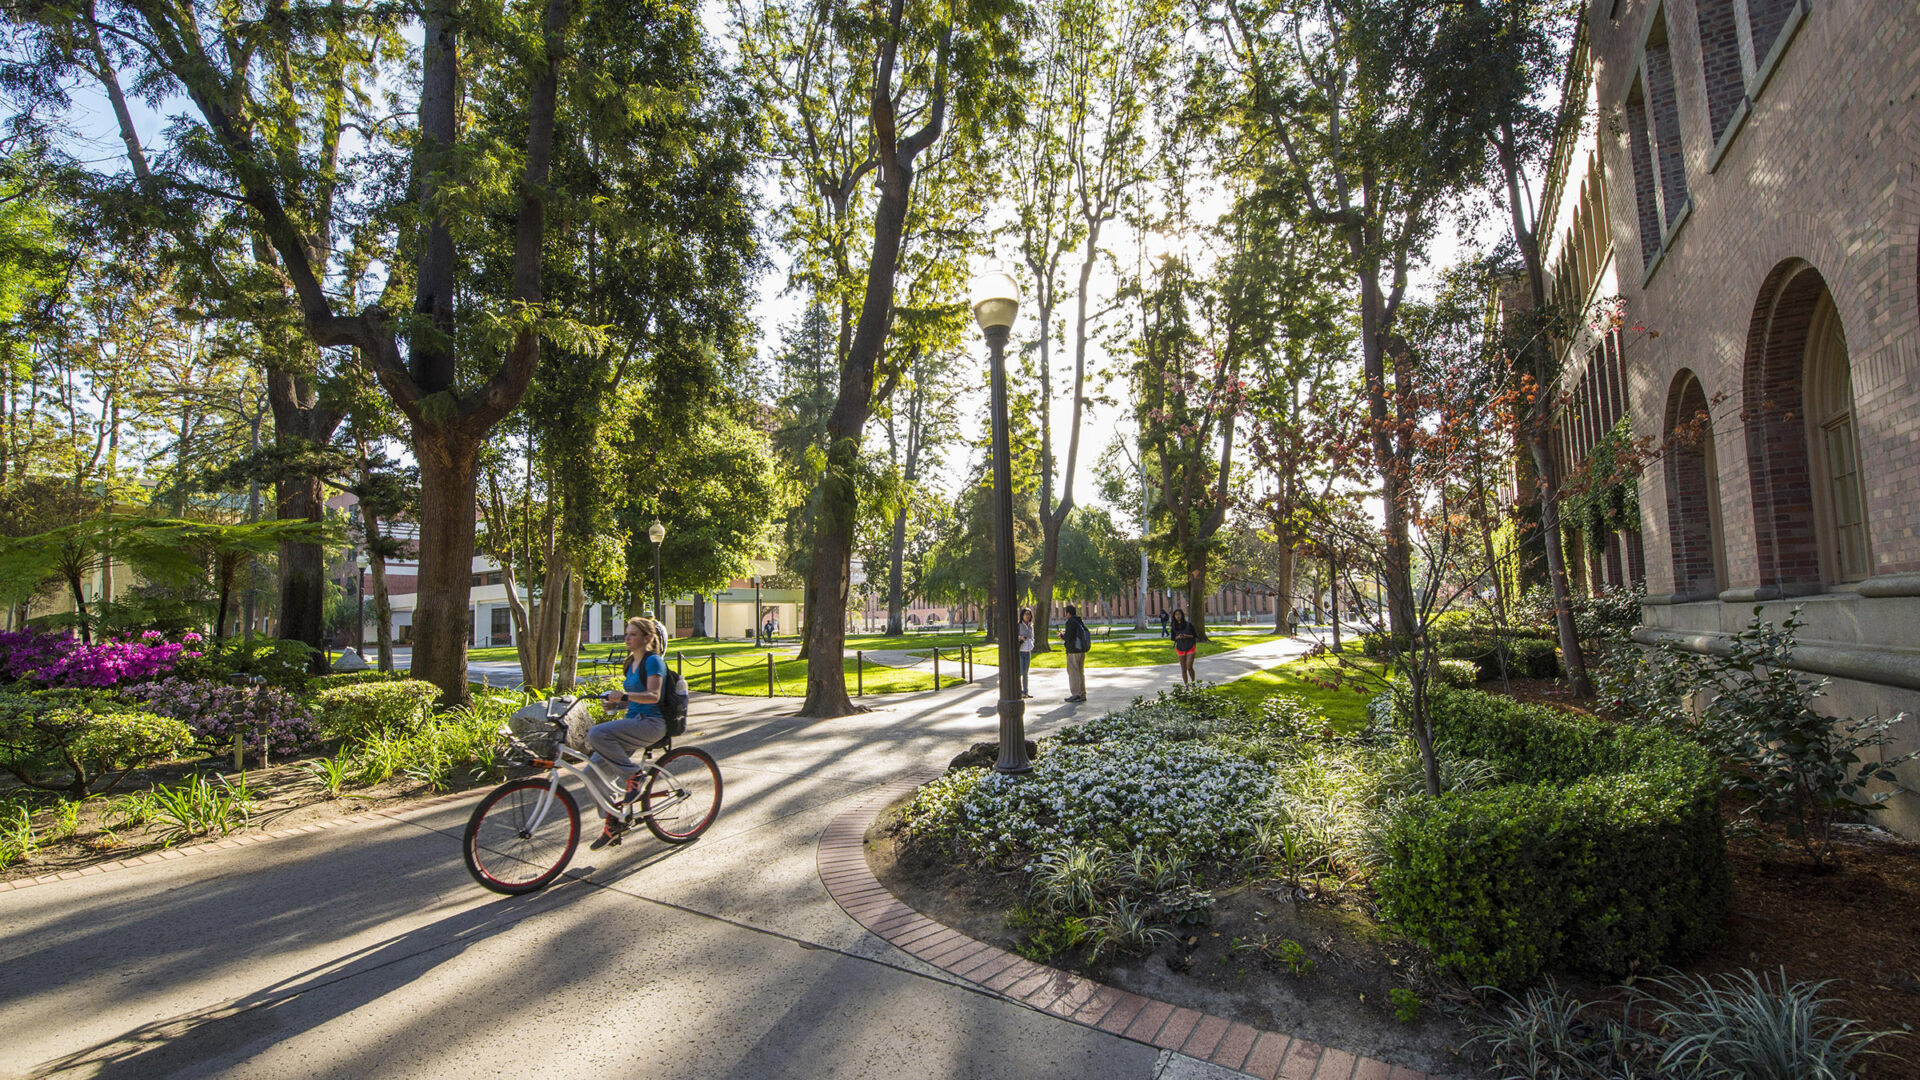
<point>523,834</point>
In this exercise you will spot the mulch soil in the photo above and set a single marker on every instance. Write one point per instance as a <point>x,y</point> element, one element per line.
<point>1233,968</point>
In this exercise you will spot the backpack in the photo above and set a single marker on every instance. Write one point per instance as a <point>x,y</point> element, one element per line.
<point>673,702</point>
<point>1082,640</point>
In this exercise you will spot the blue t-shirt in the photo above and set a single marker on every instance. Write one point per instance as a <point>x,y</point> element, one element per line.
<point>637,684</point>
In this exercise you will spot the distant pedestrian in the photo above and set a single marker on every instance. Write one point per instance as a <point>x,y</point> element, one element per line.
<point>1025,632</point>
<point>1076,639</point>
<point>1163,624</point>
<point>1185,637</point>
<point>1293,622</point>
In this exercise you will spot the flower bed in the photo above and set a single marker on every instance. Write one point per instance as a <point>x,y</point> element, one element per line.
<point>1182,799</point>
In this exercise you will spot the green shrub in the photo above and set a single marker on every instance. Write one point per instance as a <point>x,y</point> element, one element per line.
<point>1461,674</point>
<point>352,678</point>
<point>1606,852</point>
<point>280,661</point>
<point>79,743</point>
<point>1376,645</point>
<point>359,711</point>
<point>1533,658</point>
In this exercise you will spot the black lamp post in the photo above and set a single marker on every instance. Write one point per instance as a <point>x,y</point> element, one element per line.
<point>657,532</point>
<point>996,300</point>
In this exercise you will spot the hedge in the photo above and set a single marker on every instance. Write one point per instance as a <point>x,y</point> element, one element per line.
<point>1604,852</point>
<point>1527,657</point>
<point>358,710</point>
<point>1461,674</point>
<point>352,678</point>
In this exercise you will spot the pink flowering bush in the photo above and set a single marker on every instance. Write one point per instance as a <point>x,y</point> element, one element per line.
<point>214,711</point>
<point>61,661</point>
<point>22,651</point>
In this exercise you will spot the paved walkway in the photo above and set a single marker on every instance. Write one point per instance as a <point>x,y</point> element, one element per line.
<point>365,950</point>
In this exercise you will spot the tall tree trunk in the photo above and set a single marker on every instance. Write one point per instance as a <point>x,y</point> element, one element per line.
<point>1557,564</point>
<point>449,462</point>
<point>299,421</point>
<point>896,575</point>
<point>1540,422</point>
<point>568,667</point>
<point>377,562</point>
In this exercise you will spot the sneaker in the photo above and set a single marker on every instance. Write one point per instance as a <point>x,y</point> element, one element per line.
<point>633,789</point>
<point>608,835</point>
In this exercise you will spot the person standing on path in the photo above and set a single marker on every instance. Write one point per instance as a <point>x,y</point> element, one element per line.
<point>1184,639</point>
<point>614,741</point>
<point>1025,631</point>
<point>1076,639</point>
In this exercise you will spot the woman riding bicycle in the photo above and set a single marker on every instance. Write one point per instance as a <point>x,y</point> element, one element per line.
<point>614,741</point>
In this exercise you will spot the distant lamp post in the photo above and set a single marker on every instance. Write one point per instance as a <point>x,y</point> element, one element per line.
<point>996,300</point>
<point>657,532</point>
<point>759,613</point>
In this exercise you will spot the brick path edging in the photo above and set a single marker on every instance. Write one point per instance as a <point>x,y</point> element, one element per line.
<point>1270,1055</point>
<point>237,840</point>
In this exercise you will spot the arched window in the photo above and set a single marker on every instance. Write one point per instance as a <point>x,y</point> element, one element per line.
<point>1803,456</point>
<point>1693,493</point>
<point>1835,446</point>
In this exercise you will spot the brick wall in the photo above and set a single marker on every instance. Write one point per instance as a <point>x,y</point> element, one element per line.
<point>1720,62</point>
<point>1826,171</point>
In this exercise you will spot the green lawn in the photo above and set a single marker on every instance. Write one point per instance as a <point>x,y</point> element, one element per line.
<point>739,668</point>
<point>1345,707</point>
<point>1143,651</point>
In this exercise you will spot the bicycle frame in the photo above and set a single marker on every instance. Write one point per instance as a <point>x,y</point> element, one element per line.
<point>597,784</point>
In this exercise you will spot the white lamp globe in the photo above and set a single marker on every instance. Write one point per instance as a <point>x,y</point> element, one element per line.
<point>996,299</point>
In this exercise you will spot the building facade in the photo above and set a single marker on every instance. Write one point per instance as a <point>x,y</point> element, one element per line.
<point>1740,216</point>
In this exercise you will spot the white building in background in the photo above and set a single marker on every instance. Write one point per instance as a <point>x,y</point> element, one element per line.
<point>728,613</point>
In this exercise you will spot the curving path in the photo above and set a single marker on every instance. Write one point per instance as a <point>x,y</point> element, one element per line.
<point>364,950</point>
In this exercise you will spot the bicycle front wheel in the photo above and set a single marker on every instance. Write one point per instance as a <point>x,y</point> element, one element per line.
<point>507,851</point>
<point>682,796</point>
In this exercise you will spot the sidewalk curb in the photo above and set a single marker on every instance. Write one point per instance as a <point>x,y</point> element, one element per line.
<point>236,840</point>
<point>1271,1055</point>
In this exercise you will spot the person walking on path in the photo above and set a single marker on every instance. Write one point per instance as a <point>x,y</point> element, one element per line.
<point>1077,639</point>
<point>1163,624</point>
<point>1025,631</point>
<point>1293,622</point>
<point>614,741</point>
<point>1184,639</point>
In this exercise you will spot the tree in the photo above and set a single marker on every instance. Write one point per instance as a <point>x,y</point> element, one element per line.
<point>919,423</point>
<point>1084,154</point>
<point>853,92</point>
<point>270,94</point>
<point>1517,57</point>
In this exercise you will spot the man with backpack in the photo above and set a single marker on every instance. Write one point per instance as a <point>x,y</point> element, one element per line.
<point>1076,639</point>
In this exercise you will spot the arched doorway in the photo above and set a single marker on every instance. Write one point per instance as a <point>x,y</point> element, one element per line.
<point>1802,446</point>
<point>1693,492</point>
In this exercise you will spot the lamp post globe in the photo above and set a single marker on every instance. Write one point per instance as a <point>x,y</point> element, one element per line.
<point>657,532</point>
<point>996,302</point>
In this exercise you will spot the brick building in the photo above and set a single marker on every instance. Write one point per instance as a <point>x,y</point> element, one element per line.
<point>1744,201</point>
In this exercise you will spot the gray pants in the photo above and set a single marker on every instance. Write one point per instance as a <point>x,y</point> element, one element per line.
<point>615,741</point>
<point>1077,674</point>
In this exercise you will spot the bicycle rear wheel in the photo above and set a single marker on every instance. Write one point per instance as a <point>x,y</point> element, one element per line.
<point>682,796</point>
<point>506,852</point>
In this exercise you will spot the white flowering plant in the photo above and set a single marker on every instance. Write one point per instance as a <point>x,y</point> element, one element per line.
<point>1180,798</point>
